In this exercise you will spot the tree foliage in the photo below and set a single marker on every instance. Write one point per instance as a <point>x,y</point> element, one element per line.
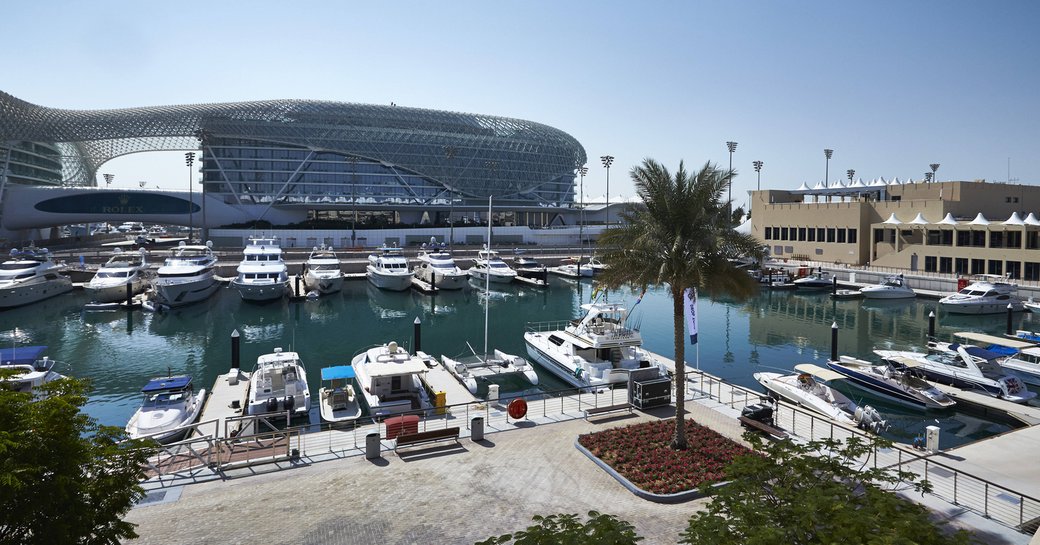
<point>565,529</point>
<point>681,236</point>
<point>818,492</point>
<point>64,478</point>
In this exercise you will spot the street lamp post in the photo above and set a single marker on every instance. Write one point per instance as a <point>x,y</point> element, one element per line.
<point>827,169</point>
<point>607,160</point>
<point>189,159</point>
<point>108,179</point>
<point>934,167</point>
<point>758,171</point>
<point>582,171</point>
<point>731,146</point>
<point>449,154</point>
<point>851,174</point>
<point>353,200</point>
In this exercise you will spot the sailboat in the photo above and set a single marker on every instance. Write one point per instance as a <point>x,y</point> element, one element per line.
<point>488,365</point>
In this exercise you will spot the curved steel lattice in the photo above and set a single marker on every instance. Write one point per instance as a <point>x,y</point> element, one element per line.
<point>474,155</point>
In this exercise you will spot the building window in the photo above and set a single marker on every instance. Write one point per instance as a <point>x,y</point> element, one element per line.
<point>996,266</point>
<point>820,234</point>
<point>960,265</point>
<point>1032,240</point>
<point>963,238</point>
<point>769,233</point>
<point>783,233</point>
<point>947,238</point>
<point>996,239</point>
<point>812,234</point>
<point>852,236</point>
<point>879,235</point>
<point>1012,239</point>
<point>930,263</point>
<point>978,239</point>
<point>1014,269</point>
<point>778,250</point>
<point>801,234</point>
<point>978,266</point>
<point>946,265</point>
<point>831,234</point>
<point>1032,271</point>
<point>841,236</point>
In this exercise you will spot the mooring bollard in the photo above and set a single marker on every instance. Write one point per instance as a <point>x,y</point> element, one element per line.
<point>129,294</point>
<point>931,325</point>
<point>297,285</point>
<point>1010,311</point>
<point>235,354</point>
<point>834,285</point>
<point>417,335</point>
<point>834,341</point>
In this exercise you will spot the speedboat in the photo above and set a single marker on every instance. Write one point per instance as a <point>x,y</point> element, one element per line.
<point>391,380</point>
<point>109,284</point>
<point>819,280</point>
<point>279,385</point>
<point>439,269</point>
<point>573,268</point>
<point>170,405</point>
<point>892,287</point>
<point>187,276</point>
<point>389,270</point>
<point>987,295</point>
<point>322,272</point>
<point>488,265</point>
<point>766,277</point>
<point>30,276</point>
<point>337,402</point>
<point>596,265</point>
<point>594,351</point>
<point>803,388</point>
<point>966,367</point>
<point>262,274</point>
<point>470,370</point>
<point>531,271</point>
<point>1021,354</point>
<point>892,380</point>
<point>34,369</point>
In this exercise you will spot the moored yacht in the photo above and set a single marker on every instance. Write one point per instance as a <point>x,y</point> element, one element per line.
<point>391,380</point>
<point>488,265</point>
<point>109,283</point>
<point>279,385</point>
<point>170,404</point>
<point>262,275</point>
<point>30,275</point>
<point>469,371</point>
<point>803,388</point>
<point>34,369</point>
<point>966,367</point>
<point>573,268</point>
<point>819,280</point>
<point>892,380</point>
<point>338,402</point>
<point>187,276</point>
<point>439,269</point>
<point>891,287</point>
<point>389,270</point>
<point>322,272</point>
<point>989,294</point>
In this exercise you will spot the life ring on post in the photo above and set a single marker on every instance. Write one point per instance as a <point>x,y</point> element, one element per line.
<point>517,409</point>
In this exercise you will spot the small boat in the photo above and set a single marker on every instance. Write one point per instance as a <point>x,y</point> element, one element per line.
<point>391,380</point>
<point>438,269</point>
<point>109,284</point>
<point>1021,356</point>
<point>170,405</point>
<point>530,268</point>
<point>488,265</point>
<point>262,274</point>
<point>596,265</point>
<point>846,294</point>
<point>767,277</point>
<point>322,272</point>
<point>803,389</point>
<point>819,280</point>
<point>30,275</point>
<point>1031,305</point>
<point>892,287</point>
<point>34,368</point>
<point>892,380</point>
<point>279,385</point>
<point>389,270</point>
<point>573,270</point>
<point>498,365</point>
<point>967,367</point>
<point>988,294</point>
<point>337,402</point>
<point>187,276</point>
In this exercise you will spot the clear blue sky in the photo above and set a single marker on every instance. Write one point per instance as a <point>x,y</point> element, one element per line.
<point>891,86</point>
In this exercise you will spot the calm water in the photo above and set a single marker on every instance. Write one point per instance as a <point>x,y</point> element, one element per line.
<point>119,351</point>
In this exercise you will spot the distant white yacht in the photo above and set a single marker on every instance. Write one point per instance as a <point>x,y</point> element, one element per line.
<point>109,283</point>
<point>440,270</point>
<point>262,275</point>
<point>187,276</point>
<point>988,294</point>
<point>488,264</point>
<point>389,270</point>
<point>322,272</point>
<point>29,276</point>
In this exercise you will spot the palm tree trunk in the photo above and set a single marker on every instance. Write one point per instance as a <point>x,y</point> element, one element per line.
<point>679,440</point>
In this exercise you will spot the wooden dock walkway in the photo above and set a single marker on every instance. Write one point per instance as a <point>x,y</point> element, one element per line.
<point>227,399</point>
<point>441,380</point>
<point>1023,413</point>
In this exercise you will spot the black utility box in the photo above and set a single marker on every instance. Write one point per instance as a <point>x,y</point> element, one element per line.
<point>759,412</point>
<point>651,393</point>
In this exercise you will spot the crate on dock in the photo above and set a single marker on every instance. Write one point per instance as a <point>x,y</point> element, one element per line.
<point>655,392</point>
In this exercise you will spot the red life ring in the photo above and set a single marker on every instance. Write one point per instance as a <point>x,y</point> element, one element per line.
<point>517,408</point>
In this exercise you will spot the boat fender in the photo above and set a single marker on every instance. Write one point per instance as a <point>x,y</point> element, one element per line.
<point>577,372</point>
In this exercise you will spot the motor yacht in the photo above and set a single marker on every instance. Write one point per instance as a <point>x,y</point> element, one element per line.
<point>819,280</point>
<point>531,271</point>
<point>337,400</point>
<point>596,265</point>
<point>170,405</point>
<point>892,287</point>
<point>322,272</point>
<point>488,265</point>
<point>391,380</point>
<point>469,371</point>
<point>573,268</point>
<point>187,276</point>
<point>34,369</point>
<point>389,270</point>
<point>803,388</point>
<point>1021,355</point>
<point>262,274</point>
<point>892,380</point>
<point>986,295</point>
<point>109,283</point>
<point>279,385</point>
<point>594,351</point>
<point>966,367</point>
<point>30,275</point>
<point>439,269</point>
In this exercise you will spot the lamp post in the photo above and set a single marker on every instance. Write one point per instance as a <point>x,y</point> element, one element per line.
<point>582,171</point>
<point>758,171</point>
<point>189,159</point>
<point>827,169</point>
<point>934,167</point>
<point>108,179</point>
<point>928,176</point>
<point>731,146</point>
<point>607,160</point>
<point>851,174</point>
<point>353,200</point>
<point>449,154</point>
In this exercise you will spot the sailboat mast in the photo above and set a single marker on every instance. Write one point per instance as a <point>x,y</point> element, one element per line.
<point>487,281</point>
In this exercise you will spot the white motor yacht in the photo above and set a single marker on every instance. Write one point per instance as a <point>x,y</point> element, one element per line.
<point>34,369</point>
<point>989,294</point>
<point>531,271</point>
<point>803,389</point>
<point>262,275</point>
<point>469,371</point>
<point>109,283</point>
<point>573,268</point>
<point>819,280</point>
<point>892,380</point>
<point>322,272</point>
<point>338,402</point>
<point>439,269</point>
<point>892,287</point>
<point>187,276</point>
<point>391,380</point>
<point>596,265</point>
<point>30,275</point>
<point>389,270</point>
<point>279,385</point>
<point>488,265</point>
<point>596,350</point>
<point>170,404</point>
<point>966,367</point>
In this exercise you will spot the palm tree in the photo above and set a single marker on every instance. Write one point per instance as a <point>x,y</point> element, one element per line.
<point>681,236</point>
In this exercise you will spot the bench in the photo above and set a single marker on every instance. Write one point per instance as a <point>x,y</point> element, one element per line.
<point>608,409</point>
<point>762,427</point>
<point>412,439</point>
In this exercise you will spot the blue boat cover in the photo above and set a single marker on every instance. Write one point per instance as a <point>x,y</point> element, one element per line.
<point>167,383</point>
<point>338,372</point>
<point>21,355</point>
<point>982,353</point>
<point>1002,350</point>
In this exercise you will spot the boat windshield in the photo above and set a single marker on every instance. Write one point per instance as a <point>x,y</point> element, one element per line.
<point>163,398</point>
<point>498,265</point>
<point>104,274</point>
<point>325,268</point>
<point>14,265</point>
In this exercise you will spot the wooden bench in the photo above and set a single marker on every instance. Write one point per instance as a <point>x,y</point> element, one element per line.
<point>608,409</point>
<point>762,427</point>
<point>412,439</point>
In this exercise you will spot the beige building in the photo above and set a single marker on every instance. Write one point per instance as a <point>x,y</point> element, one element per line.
<point>948,227</point>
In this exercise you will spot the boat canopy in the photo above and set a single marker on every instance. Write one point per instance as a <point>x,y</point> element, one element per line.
<point>21,355</point>
<point>167,383</point>
<point>337,373</point>
<point>981,338</point>
<point>818,372</point>
<point>978,352</point>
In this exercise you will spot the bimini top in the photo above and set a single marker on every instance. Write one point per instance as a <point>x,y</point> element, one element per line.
<point>167,383</point>
<point>21,355</point>
<point>337,373</point>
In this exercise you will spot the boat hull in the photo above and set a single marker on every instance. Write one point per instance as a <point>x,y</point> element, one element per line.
<point>162,426</point>
<point>178,294</point>
<point>981,308</point>
<point>495,278</point>
<point>390,282</point>
<point>25,294</point>
<point>882,387</point>
<point>113,293</point>
<point>443,281</point>
<point>261,293</point>
<point>322,284</point>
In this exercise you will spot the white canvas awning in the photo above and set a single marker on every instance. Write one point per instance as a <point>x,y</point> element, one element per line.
<point>979,220</point>
<point>919,220</point>
<point>893,220</point>
<point>818,372</point>
<point>948,220</point>
<point>1031,219</point>
<point>877,183</point>
<point>819,185</point>
<point>803,187</point>
<point>1015,219</point>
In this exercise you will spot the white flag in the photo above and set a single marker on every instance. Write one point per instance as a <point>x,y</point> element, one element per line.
<point>690,301</point>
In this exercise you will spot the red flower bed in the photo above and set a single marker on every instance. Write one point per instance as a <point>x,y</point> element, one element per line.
<point>641,453</point>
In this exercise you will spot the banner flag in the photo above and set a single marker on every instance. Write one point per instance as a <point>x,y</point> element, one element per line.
<point>638,300</point>
<point>690,301</point>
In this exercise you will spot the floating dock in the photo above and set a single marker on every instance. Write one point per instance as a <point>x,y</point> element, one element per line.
<point>227,399</point>
<point>440,379</point>
<point>423,286</point>
<point>529,281</point>
<point>1023,413</point>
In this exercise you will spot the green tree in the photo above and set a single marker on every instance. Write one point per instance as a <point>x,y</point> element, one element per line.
<point>818,492</point>
<point>566,530</point>
<point>682,236</point>
<point>63,478</point>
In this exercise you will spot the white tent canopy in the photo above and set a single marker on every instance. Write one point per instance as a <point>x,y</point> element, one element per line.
<point>919,220</point>
<point>948,220</point>
<point>893,220</point>
<point>803,187</point>
<point>819,185</point>
<point>1015,219</point>
<point>1031,220</point>
<point>979,220</point>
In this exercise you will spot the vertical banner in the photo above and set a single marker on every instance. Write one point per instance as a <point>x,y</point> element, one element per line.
<point>690,301</point>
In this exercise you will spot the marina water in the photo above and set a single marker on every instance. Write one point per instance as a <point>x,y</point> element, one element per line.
<point>119,350</point>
